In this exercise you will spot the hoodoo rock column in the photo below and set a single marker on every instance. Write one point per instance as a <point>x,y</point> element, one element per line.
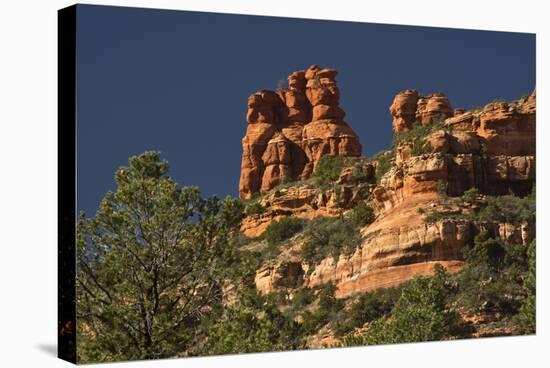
<point>290,130</point>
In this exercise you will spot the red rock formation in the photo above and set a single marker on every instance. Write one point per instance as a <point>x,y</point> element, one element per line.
<point>289,130</point>
<point>303,201</point>
<point>408,106</point>
<point>403,110</point>
<point>261,127</point>
<point>433,107</point>
<point>492,149</point>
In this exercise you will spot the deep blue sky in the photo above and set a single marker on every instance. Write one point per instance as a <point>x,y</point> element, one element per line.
<point>178,81</point>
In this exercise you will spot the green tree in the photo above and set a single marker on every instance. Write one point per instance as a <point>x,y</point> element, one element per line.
<point>442,187</point>
<point>528,312</point>
<point>285,228</point>
<point>422,313</point>
<point>254,208</point>
<point>329,236</point>
<point>508,209</point>
<point>362,215</point>
<point>252,325</point>
<point>487,252</point>
<point>328,169</point>
<point>470,195</point>
<point>383,163</point>
<point>491,277</point>
<point>151,263</point>
<point>327,309</point>
<point>367,308</point>
<point>533,194</point>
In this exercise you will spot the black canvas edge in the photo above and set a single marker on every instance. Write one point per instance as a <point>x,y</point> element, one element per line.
<point>66,186</point>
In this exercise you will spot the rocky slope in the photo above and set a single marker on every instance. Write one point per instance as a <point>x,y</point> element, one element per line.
<point>438,153</point>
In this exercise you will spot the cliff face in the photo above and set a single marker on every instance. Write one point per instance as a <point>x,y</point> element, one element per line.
<point>289,130</point>
<point>491,149</point>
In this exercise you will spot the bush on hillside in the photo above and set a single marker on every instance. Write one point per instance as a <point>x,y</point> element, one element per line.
<point>328,169</point>
<point>492,274</point>
<point>361,215</point>
<point>285,228</point>
<point>327,310</point>
<point>470,195</point>
<point>528,311</point>
<point>329,236</point>
<point>422,313</point>
<point>508,209</point>
<point>367,308</point>
<point>383,163</point>
<point>254,208</point>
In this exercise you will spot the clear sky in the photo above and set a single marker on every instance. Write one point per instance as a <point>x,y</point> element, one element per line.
<point>177,82</point>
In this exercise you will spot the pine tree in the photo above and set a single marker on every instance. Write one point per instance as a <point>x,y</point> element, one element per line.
<point>151,264</point>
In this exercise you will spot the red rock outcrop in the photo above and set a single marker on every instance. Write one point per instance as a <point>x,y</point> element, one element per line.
<point>303,201</point>
<point>408,106</point>
<point>492,149</point>
<point>433,107</point>
<point>288,131</point>
<point>403,110</point>
<point>503,128</point>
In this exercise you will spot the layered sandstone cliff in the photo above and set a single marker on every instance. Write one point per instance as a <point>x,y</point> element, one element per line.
<point>289,130</point>
<point>491,149</point>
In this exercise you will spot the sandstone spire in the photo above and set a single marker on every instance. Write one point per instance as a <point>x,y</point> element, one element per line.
<point>290,130</point>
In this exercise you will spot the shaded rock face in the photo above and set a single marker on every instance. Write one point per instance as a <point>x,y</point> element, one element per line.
<point>288,274</point>
<point>289,130</point>
<point>408,106</point>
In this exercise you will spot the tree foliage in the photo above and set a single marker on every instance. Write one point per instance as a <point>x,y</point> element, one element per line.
<point>151,263</point>
<point>326,311</point>
<point>383,163</point>
<point>528,312</point>
<point>328,169</point>
<point>487,252</point>
<point>421,314</point>
<point>285,228</point>
<point>470,195</point>
<point>490,280</point>
<point>367,308</point>
<point>252,325</point>
<point>361,215</point>
<point>508,209</point>
<point>329,236</point>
